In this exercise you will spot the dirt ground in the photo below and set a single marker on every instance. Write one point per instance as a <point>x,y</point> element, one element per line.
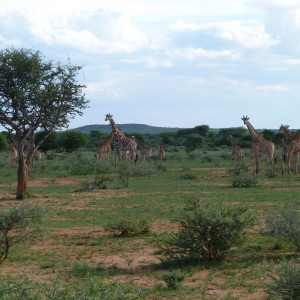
<point>137,263</point>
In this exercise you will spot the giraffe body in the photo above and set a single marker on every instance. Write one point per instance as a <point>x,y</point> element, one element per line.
<point>13,154</point>
<point>121,143</point>
<point>237,151</point>
<point>145,151</point>
<point>105,147</point>
<point>260,145</point>
<point>290,149</point>
<point>162,152</point>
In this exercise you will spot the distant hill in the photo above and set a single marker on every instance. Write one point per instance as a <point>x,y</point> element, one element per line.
<point>129,128</point>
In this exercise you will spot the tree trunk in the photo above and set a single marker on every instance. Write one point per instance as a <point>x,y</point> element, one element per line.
<point>22,178</point>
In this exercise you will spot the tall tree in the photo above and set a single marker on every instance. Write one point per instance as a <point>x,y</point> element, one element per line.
<point>36,94</point>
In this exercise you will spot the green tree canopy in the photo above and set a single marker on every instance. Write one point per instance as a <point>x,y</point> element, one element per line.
<point>50,142</point>
<point>36,94</point>
<point>73,140</point>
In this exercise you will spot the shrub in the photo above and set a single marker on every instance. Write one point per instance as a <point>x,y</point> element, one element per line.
<point>187,174</point>
<point>127,228</point>
<point>245,180</point>
<point>95,184</point>
<point>207,233</point>
<point>239,168</point>
<point>173,279</point>
<point>284,280</point>
<point>284,223</point>
<point>17,226</point>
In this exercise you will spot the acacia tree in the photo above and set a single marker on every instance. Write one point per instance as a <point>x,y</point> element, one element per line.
<point>35,94</point>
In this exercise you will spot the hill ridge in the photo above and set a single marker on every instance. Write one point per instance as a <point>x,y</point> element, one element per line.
<point>127,127</point>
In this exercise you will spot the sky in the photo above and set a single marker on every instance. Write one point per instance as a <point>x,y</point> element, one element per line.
<point>170,63</point>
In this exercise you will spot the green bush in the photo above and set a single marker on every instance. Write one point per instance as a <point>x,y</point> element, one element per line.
<point>94,184</point>
<point>18,225</point>
<point>207,233</point>
<point>284,280</point>
<point>244,180</point>
<point>284,223</point>
<point>126,228</point>
<point>187,174</point>
<point>173,279</point>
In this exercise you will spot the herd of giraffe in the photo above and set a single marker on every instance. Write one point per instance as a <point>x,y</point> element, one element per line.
<point>290,147</point>
<point>125,147</point>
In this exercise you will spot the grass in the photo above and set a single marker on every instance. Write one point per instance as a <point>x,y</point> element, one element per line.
<point>76,248</point>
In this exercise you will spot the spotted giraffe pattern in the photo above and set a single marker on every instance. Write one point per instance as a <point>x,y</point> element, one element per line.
<point>145,151</point>
<point>121,143</point>
<point>260,145</point>
<point>237,151</point>
<point>105,147</point>
<point>290,149</point>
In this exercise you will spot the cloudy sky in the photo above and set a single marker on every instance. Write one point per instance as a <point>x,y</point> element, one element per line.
<point>173,63</point>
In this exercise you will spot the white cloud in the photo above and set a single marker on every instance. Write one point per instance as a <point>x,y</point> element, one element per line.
<point>254,36</point>
<point>104,32</point>
<point>198,53</point>
<point>183,26</point>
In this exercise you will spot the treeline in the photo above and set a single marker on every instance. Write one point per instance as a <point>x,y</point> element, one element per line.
<point>199,137</point>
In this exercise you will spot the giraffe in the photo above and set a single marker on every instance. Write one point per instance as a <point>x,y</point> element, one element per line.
<point>237,151</point>
<point>260,145</point>
<point>104,148</point>
<point>145,151</point>
<point>290,148</point>
<point>120,141</point>
<point>13,154</point>
<point>162,152</point>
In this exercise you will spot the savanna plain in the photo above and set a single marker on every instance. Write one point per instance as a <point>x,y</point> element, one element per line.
<point>80,256</point>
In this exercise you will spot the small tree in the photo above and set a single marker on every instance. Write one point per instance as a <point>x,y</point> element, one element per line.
<point>35,94</point>
<point>16,226</point>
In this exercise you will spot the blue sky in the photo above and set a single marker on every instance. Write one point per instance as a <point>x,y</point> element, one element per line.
<point>168,62</point>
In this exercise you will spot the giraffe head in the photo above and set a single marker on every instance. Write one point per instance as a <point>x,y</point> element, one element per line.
<point>108,117</point>
<point>282,127</point>
<point>245,119</point>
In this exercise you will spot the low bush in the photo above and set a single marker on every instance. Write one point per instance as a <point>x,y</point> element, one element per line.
<point>94,184</point>
<point>18,225</point>
<point>245,180</point>
<point>207,233</point>
<point>284,280</point>
<point>126,228</point>
<point>173,279</point>
<point>284,223</point>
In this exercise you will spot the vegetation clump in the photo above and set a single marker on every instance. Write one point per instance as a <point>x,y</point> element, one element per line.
<point>284,223</point>
<point>207,233</point>
<point>94,184</point>
<point>284,280</point>
<point>173,279</point>
<point>17,225</point>
<point>126,228</point>
<point>245,180</point>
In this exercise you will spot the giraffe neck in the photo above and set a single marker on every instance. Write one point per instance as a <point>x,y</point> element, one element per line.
<point>286,132</point>
<point>254,134</point>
